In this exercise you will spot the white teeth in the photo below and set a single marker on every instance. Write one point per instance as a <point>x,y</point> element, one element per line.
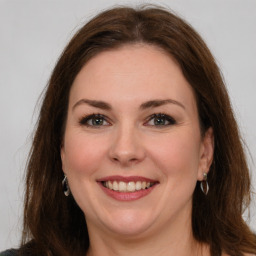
<point>122,186</point>
<point>115,186</point>
<point>138,185</point>
<point>130,186</point>
<point>110,185</point>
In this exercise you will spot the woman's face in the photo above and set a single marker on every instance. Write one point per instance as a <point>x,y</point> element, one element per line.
<point>132,148</point>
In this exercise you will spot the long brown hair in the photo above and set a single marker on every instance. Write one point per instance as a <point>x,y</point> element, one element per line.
<point>54,224</point>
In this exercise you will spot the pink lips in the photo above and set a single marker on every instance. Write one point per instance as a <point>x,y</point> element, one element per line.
<point>126,179</point>
<point>126,196</point>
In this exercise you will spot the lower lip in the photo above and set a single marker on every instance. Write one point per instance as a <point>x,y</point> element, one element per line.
<point>127,196</point>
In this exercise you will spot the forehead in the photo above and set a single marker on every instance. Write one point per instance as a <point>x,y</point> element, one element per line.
<point>136,72</point>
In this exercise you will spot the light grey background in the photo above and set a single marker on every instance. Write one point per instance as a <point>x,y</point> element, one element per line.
<point>33,34</point>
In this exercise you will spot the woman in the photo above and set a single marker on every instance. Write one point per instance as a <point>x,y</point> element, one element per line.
<point>136,150</point>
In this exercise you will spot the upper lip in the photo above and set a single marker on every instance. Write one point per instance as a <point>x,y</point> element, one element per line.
<point>126,178</point>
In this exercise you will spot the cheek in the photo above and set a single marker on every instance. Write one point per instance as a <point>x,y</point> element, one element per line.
<point>82,154</point>
<point>177,154</point>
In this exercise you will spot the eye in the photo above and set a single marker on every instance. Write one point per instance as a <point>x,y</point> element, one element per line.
<point>94,120</point>
<point>160,120</point>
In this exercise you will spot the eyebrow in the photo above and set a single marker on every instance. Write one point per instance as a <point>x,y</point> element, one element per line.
<point>93,103</point>
<point>157,103</point>
<point>148,104</point>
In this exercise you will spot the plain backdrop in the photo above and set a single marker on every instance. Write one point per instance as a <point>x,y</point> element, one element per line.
<point>32,36</point>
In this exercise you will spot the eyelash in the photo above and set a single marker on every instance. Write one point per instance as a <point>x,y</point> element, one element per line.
<point>161,117</point>
<point>165,117</point>
<point>86,119</point>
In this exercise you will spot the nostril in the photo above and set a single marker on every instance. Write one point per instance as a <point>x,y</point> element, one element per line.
<point>127,160</point>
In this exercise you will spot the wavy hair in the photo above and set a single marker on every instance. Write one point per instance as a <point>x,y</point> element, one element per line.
<point>53,224</point>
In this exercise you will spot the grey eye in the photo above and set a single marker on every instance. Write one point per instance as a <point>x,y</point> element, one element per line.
<point>160,120</point>
<point>94,120</point>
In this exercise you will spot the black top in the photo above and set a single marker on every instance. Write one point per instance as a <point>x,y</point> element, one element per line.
<point>11,252</point>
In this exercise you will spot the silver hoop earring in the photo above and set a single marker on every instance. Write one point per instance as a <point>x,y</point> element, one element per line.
<point>65,186</point>
<point>204,184</point>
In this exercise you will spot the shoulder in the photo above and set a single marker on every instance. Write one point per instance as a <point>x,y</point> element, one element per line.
<point>11,252</point>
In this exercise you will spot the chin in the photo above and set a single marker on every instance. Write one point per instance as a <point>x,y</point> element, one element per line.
<point>129,230</point>
<point>127,223</point>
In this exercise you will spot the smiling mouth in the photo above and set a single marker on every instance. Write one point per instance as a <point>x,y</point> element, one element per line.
<point>131,186</point>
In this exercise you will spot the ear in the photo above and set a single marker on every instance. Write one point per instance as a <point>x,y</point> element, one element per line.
<point>206,153</point>
<point>62,155</point>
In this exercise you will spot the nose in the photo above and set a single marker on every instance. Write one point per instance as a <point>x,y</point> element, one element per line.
<point>126,147</point>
